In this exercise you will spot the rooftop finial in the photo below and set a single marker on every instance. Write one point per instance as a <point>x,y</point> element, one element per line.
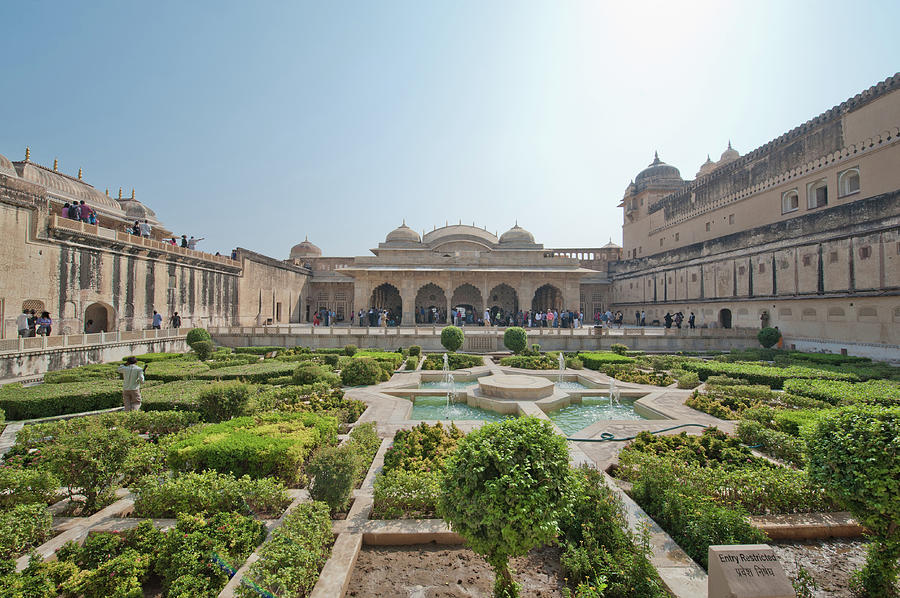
<point>55,165</point>
<point>120,193</point>
<point>729,144</point>
<point>27,153</point>
<point>517,222</point>
<point>404,222</point>
<point>107,192</point>
<point>79,174</point>
<point>306,238</point>
<point>655,155</point>
<point>132,193</point>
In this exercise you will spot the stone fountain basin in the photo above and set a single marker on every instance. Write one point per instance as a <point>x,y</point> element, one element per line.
<point>515,387</point>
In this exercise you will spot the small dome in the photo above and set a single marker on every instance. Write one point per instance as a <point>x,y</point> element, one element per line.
<point>6,167</point>
<point>305,249</point>
<point>403,234</point>
<point>729,155</point>
<point>517,234</point>
<point>707,167</point>
<point>611,245</point>
<point>658,172</point>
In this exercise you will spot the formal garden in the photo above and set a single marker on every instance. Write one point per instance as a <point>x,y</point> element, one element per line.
<point>254,472</point>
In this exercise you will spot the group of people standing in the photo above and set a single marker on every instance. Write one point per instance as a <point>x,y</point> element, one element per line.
<point>608,318</point>
<point>30,324</point>
<point>381,318</point>
<point>80,212</point>
<point>678,319</point>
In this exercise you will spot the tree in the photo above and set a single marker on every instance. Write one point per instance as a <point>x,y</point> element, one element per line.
<point>515,339</point>
<point>195,335</point>
<point>855,454</point>
<point>452,338</point>
<point>505,490</point>
<point>767,337</point>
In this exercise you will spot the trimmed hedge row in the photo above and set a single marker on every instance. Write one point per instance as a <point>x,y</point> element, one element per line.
<point>45,400</point>
<point>596,360</point>
<point>883,392</point>
<point>774,377</point>
<point>456,361</point>
<point>530,362</point>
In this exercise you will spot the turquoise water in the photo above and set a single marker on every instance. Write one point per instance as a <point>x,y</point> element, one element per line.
<point>458,385</point>
<point>564,385</point>
<point>577,417</point>
<point>436,408</point>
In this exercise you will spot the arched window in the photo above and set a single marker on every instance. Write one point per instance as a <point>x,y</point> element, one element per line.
<point>848,182</point>
<point>817,194</point>
<point>790,201</point>
<point>809,313</point>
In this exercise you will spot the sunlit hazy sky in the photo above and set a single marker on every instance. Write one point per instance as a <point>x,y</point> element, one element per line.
<point>254,124</point>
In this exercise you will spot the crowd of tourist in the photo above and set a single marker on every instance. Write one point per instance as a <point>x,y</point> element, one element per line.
<point>30,324</point>
<point>80,212</point>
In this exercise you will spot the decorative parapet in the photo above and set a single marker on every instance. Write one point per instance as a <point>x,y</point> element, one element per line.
<point>850,152</point>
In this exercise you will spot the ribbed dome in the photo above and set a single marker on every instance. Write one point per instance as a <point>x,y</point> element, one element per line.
<point>658,172</point>
<point>517,234</point>
<point>305,249</point>
<point>403,234</point>
<point>729,155</point>
<point>6,167</point>
<point>707,167</point>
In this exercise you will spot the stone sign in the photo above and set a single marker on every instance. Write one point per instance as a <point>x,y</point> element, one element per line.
<point>747,571</point>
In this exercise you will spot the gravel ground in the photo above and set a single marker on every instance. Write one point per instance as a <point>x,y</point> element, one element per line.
<point>830,562</point>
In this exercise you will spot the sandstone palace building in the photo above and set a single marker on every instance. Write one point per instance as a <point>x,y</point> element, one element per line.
<point>802,233</point>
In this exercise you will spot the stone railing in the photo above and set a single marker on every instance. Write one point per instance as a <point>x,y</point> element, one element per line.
<point>93,230</point>
<point>70,341</point>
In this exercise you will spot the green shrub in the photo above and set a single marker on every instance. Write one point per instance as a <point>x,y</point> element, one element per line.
<point>402,494</point>
<point>225,363</point>
<point>291,560</point>
<point>349,350</point>
<point>45,400</point>
<point>364,438</point>
<point>528,362</point>
<point>318,398</point>
<point>724,381</point>
<point>639,377</point>
<point>360,372</point>
<point>776,443</point>
<point>452,338</point>
<point>197,335</point>
<point>22,527</point>
<point>392,358</point>
<point>335,471</point>
<point>170,370</point>
<point>209,491</point>
<point>412,362</point>
<point>574,363</point>
<point>505,490</point>
<point>193,550</point>
<point>852,452</point>
<point>618,348</point>
<point>711,448</point>
<point>182,395</point>
<point>423,447</point>
<point>761,374</point>
<point>89,462</point>
<point>307,373</point>
<point>688,380</point>
<point>455,361</point>
<point>203,349</point>
<point>767,337</point>
<point>258,372</point>
<point>257,350</point>
<point>224,400</point>
<point>330,360</point>
<point>415,350</point>
<point>515,339</point>
<point>270,444</point>
<point>596,360</point>
<point>693,519</point>
<point>597,545</point>
<point>24,486</point>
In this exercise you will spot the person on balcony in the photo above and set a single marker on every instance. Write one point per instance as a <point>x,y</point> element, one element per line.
<point>22,323</point>
<point>44,324</point>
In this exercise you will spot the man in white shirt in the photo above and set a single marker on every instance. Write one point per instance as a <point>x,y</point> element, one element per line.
<point>145,228</point>
<point>192,242</point>
<point>132,376</point>
<point>22,323</point>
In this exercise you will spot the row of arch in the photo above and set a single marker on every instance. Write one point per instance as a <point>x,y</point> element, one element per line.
<point>98,316</point>
<point>501,299</point>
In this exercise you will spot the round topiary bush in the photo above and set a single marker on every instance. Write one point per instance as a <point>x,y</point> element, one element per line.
<point>203,349</point>
<point>415,350</point>
<point>504,491</point>
<point>224,400</point>
<point>767,337</point>
<point>195,335</point>
<point>515,339</point>
<point>307,373</point>
<point>452,338</point>
<point>331,359</point>
<point>350,350</point>
<point>853,453</point>
<point>618,348</point>
<point>360,371</point>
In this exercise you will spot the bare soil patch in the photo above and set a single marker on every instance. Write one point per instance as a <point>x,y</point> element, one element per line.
<point>830,562</point>
<point>432,571</point>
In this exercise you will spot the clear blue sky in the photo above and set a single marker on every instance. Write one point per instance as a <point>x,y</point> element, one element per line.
<point>254,124</point>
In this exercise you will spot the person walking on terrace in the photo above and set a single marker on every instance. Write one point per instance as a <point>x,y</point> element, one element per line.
<point>22,323</point>
<point>132,376</point>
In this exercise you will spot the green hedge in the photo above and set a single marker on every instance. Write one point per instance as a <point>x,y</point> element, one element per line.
<point>395,359</point>
<point>85,373</point>
<point>528,362</point>
<point>170,370</point>
<point>760,374</point>
<point>270,444</point>
<point>182,395</point>
<point>23,527</point>
<point>596,360</point>
<point>209,491</point>
<point>258,372</point>
<point>290,562</point>
<point>885,392</point>
<point>257,350</point>
<point>45,400</point>
<point>456,361</point>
